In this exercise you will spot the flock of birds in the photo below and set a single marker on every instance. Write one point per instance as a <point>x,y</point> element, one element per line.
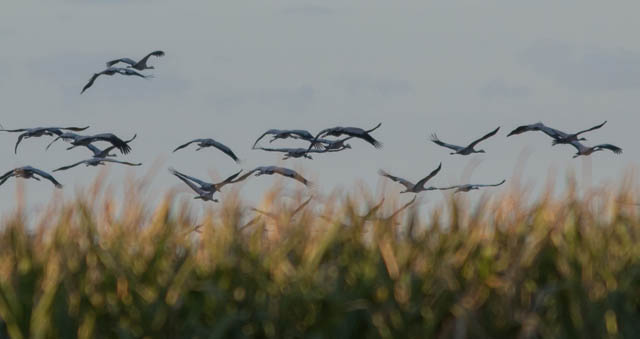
<point>326,141</point>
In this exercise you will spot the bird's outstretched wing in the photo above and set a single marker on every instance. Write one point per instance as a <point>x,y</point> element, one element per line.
<point>525,128</point>
<point>14,130</point>
<point>271,131</point>
<point>484,137</point>
<point>2,180</point>
<point>75,129</point>
<point>612,148</point>
<point>449,187</point>
<point>105,153</point>
<point>291,174</point>
<point>374,128</point>
<point>406,183</point>
<point>95,150</point>
<point>246,175</point>
<point>592,128</point>
<point>186,144</point>
<point>362,134</point>
<point>318,136</point>
<point>578,146</point>
<point>91,81</point>
<point>491,185</point>
<point>424,180</point>
<point>20,137</point>
<point>130,72</point>
<point>53,141</point>
<point>229,179</point>
<point>122,162</point>
<point>434,139</point>
<point>120,144</point>
<point>47,176</point>
<point>224,149</point>
<point>70,166</point>
<point>123,60</point>
<point>301,134</point>
<point>143,61</point>
<point>552,132</point>
<point>6,176</point>
<point>269,149</point>
<point>193,186</point>
<point>188,177</point>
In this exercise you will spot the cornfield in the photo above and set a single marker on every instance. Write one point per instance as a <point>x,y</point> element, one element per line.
<point>559,266</point>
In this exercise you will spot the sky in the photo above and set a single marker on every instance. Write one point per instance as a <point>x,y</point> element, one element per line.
<point>234,69</point>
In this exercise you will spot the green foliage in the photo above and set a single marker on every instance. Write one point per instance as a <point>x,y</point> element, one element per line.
<point>566,268</point>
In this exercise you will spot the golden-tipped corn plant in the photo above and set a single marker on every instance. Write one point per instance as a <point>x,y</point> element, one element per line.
<point>563,266</point>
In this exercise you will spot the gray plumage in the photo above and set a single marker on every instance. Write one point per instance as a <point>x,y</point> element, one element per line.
<point>411,187</point>
<point>269,170</point>
<point>40,131</point>
<point>354,132</point>
<point>586,150</point>
<point>469,149</point>
<point>208,142</point>
<point>140,65</point>
<point>98,153</point>
<point>28,172</point>
<point>559,137</point>
<point>205,190</point>
<point>84,140</point>
<point>284,134</point>
<point>469,187</point>
<point>96,162</point>
<point>298,152</point>
<point>111,71</point>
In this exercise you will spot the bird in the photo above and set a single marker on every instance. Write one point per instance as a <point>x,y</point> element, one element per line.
<point>586,150</point>
<point>28,172</point>
<point>411,187</point>
<point>98,153</point>
<point>204,189</point>
<point>96,161</point>
<point>84,140</point>
<point>339,144</point>
<point>40,131</point>
<point>575,136</point>
<point>355,132</point>
<point>469,149</point>
<point>559,137</point>
<point>284,134</point>
<point>469,187</point>
<point>140,65</point>
<point>203,143</point>
<point>111,71</point>
<point>298,152</point>
<point>262,170</point>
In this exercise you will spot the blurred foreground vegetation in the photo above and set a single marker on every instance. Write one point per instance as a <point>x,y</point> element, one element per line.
<point>563,267</point>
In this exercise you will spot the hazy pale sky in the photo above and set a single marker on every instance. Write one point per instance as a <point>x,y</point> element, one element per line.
<point>237,68</point>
